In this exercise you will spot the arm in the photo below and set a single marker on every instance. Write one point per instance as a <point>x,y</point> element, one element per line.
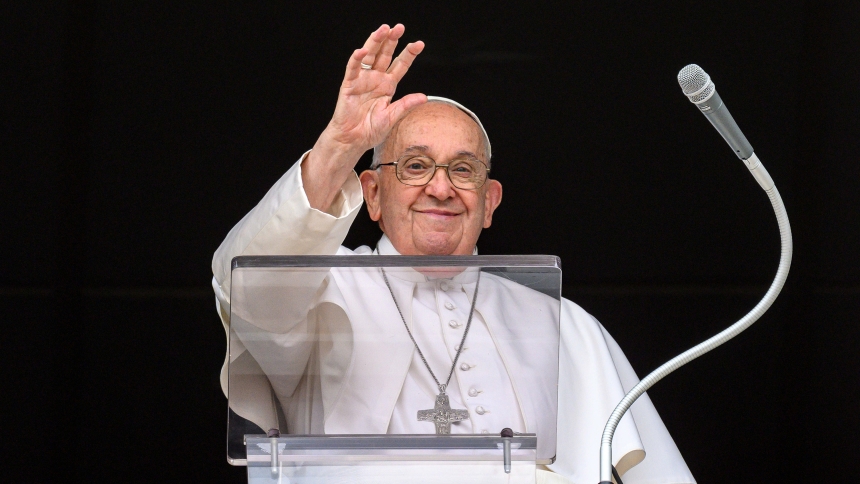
<point>309,210</point>
<point>285,223</point>
<point>364,114</point>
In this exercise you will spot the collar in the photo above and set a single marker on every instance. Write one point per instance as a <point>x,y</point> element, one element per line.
<point>385,247</point>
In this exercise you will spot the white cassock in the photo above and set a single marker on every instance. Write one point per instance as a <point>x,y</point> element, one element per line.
<point>500,386</point>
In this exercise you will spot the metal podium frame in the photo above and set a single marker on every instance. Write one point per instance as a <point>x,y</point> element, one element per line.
<point>405,458</point>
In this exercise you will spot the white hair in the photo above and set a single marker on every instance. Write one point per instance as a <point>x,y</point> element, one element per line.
<point>377,150</point>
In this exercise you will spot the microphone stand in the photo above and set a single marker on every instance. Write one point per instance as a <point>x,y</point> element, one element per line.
<point>763,178</point>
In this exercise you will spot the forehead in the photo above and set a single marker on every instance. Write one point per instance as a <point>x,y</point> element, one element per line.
<point>442,128</point>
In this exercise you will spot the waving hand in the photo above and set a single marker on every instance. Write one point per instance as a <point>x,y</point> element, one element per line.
<point>364,113</point>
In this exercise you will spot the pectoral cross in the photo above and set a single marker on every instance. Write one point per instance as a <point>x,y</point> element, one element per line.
<point>442,415</point>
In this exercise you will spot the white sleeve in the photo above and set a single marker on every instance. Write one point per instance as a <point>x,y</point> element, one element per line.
<point>283,223</point>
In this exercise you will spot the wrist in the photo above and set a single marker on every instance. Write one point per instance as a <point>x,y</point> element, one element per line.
<point>333,157</point>
<point>336,146</point>
<point>326,168</point>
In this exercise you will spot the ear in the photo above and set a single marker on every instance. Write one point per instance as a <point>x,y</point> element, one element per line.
<point>492,199</point>
<point>370,188</point>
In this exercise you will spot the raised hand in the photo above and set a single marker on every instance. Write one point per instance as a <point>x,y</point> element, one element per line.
<point>364,114</point>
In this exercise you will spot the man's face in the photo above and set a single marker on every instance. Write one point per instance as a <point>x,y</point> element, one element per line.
<point>438,218</point>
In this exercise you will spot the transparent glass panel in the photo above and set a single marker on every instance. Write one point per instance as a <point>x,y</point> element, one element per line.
<point>323,345</point>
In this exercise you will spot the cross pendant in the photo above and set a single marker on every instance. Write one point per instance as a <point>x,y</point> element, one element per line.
<point>442,415</point>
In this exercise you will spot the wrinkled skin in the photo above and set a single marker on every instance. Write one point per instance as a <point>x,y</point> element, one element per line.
<point>438,218</point>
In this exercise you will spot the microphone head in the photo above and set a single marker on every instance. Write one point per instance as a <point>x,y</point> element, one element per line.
<point>696,84</point>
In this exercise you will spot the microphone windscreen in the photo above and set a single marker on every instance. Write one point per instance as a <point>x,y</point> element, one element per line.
<point>696,83</point>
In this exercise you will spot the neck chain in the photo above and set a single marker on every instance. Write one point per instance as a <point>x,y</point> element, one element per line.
<point>442,414</point>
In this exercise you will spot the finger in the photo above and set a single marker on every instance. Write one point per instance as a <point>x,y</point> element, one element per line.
<point>353,67</point>
<point>383,59</point>
<point>374,43</point>
<point>404,61</point>
<point>395,110</point>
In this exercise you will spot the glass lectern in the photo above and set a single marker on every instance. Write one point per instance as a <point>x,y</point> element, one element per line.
<point>366,368</point>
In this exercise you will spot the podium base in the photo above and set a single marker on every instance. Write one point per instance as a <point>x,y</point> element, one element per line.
<point>415,472</point>
<point>402,459</point>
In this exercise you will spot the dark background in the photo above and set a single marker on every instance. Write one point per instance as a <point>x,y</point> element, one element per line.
<point>136,135</point>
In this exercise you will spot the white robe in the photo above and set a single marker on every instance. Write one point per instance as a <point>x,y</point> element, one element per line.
<point>594,373</point>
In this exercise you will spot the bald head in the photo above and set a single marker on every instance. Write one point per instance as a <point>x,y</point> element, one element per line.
<point>433,114</point>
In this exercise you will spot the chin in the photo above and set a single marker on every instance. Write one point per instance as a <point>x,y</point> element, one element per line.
<point>437,244</point>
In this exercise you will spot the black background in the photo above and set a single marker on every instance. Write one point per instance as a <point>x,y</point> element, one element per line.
<point>136,135</point>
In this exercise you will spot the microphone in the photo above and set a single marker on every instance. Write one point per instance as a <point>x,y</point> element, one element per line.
<point>698,87</point>
<point>700,90</point>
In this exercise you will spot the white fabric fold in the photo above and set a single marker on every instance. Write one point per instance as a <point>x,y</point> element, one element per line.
<point>594,374</point>
<point>283,223</point>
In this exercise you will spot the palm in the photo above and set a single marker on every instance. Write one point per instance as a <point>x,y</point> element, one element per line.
<point>363,111</point>
<point>365,114</point>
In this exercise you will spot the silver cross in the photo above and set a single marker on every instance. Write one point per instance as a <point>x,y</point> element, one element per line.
<point>442,415</point>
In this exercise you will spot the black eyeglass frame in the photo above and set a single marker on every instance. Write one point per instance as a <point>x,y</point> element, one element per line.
<point>437,166</point>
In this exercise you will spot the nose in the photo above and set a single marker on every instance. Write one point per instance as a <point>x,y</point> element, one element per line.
<point>440,186</point>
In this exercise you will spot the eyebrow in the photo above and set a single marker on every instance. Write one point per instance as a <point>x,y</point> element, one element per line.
<point>468,153</point>
<point>424,149</point>
<point>421,148</point>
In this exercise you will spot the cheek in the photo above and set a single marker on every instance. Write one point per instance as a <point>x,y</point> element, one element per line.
<point>395,203</point>
<point>477,211</point>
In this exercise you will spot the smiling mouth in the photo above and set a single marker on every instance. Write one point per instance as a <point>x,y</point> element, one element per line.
<point>438,213</point>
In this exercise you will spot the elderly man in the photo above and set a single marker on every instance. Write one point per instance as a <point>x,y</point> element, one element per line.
<point>430,192</point>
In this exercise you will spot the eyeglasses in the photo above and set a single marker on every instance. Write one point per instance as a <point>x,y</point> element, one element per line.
<point>465,173</point>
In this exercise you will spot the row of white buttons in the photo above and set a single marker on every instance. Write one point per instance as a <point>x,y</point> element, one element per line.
<point>473,392</point>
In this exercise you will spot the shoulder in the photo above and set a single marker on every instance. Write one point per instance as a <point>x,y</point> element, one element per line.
<point>514,288</point>
<point>578,324</point>
<point>574,312</point>
<point>514,297</point>
<point>513,291</point>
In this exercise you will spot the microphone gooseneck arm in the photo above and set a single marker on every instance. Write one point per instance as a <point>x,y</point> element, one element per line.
<point>763,178</point>
<point>705,346</point>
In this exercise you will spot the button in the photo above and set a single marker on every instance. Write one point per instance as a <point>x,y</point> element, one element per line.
<point>453,324</point>
<point>444,286</point>
<point>480,410</point>
<point>449,305</point>
<point>473,392</point>
<point>485,431</point>
<point>457,348</point>
<point>465,367</point>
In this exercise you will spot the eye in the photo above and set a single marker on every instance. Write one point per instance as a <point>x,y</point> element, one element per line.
<point>415,167</point>
<point>464,169</point>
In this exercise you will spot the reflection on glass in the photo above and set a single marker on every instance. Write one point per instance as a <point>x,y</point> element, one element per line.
<point>337,349</point>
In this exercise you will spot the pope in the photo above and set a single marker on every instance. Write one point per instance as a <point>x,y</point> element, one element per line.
<point>429,189</point>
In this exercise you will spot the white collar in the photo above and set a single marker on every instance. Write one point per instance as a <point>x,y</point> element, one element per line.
<point>385,247</point>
